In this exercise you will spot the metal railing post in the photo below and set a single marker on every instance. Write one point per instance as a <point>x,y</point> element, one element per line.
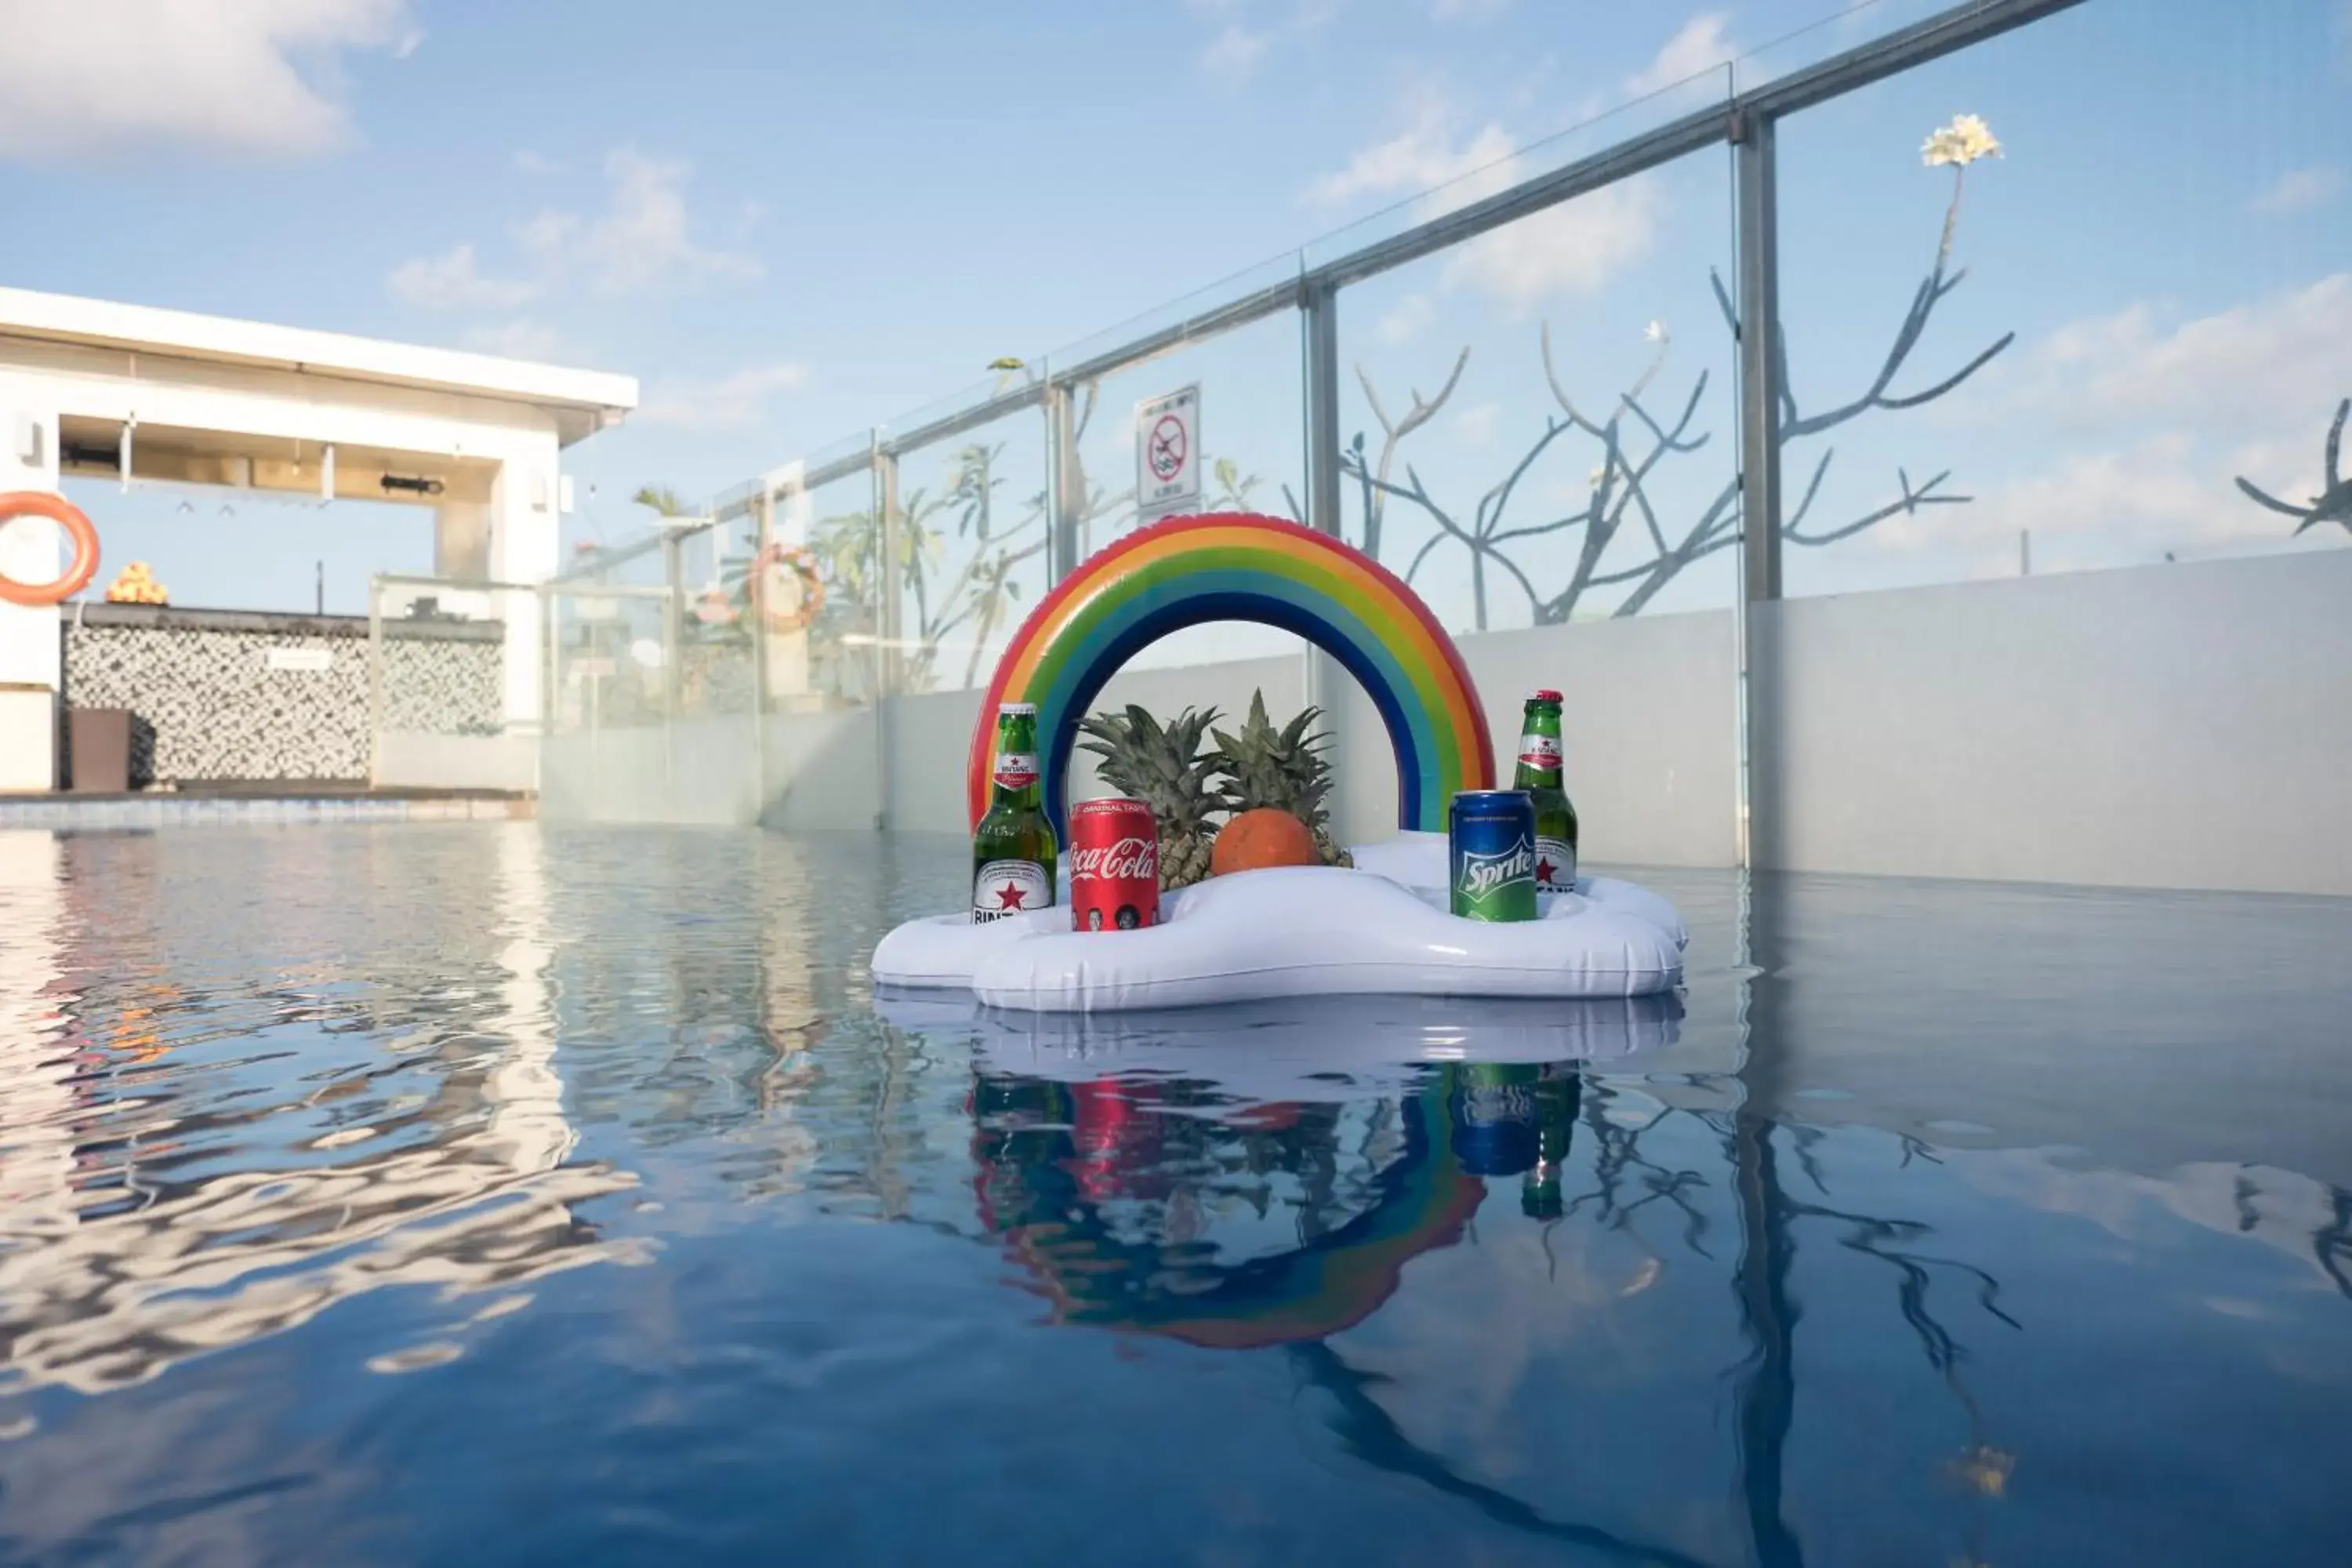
<point>1321,332</point>
<point>1753,138</point>
<point>375,681</point>
<point>1061,477</point>
<point>885,617</point>
<point>1320,385</point>
<point>755,599</point>
<point>1759,357</point>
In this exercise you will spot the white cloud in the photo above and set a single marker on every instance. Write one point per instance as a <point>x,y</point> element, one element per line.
<point>1575,247</point>
<point>2245,370</point>
<point>733,402</point>
<point>1403,321</point>
<point>2155,417</point>
<point>520,339</point>
<point>1233,56</point>
<point>450,282</point>
<point>254,79</point>
<point>2299,190</point>
<point>643,238</point>
<point>2131,501</point>
<point>1699,47</point>
<point>1418,158</point>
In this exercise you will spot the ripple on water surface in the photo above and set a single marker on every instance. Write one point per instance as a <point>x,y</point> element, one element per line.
<point>495,1192</point>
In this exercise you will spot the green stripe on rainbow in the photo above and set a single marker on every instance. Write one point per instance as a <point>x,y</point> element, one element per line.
<point>1242,567</point>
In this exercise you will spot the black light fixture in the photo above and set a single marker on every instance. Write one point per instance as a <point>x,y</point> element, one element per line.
<point>407,485</point>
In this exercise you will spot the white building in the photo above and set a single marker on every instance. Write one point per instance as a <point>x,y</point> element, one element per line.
<point>91,388</point>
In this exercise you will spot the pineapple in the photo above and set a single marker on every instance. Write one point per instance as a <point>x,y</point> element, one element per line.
<point>1164,767</point>
<point>1282,768</point>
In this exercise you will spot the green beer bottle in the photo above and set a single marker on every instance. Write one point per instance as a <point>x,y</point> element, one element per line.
<point>1539,774</point>
<point>1013,850</point>
<point>1557,1093</point>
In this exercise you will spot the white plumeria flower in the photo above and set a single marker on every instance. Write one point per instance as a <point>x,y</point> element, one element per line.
<point>1967,139</point>
<point>1595,476</point>
<point>1655,332</point>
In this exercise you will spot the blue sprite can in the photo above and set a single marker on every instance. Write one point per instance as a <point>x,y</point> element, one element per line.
<point>1492,836</point>
<point>1496,1128</point>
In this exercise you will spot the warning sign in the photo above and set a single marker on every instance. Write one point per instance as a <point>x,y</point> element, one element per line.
<point>1168,453</point>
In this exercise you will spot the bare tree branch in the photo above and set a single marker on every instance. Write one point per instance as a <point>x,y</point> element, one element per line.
<point>2334,502</point>
<point>1394,432</point>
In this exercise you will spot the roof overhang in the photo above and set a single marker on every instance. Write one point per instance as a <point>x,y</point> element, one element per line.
<point>602,397</point>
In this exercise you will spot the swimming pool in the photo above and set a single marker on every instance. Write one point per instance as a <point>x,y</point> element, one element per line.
<point>492,1193</point>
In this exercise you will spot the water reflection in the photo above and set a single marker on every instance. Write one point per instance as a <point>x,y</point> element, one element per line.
<point>173,1186</point>
<point>1840,1258</point>
<point>1242,1178</point>
<point>1258,1175</point>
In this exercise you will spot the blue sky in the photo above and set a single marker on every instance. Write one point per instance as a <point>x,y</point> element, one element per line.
<point>792,221</point>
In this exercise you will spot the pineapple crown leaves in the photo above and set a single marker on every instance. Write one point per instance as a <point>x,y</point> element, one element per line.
<point>1269,767</point>
<point>1163,764</point>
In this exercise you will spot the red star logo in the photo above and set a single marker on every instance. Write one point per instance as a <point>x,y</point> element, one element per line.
<point>1543,868</point>
<point>1009,896</point>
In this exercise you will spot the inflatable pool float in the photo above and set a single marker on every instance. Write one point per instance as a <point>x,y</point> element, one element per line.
<point>1380,930</point>
<point>1382,927</point>
<point>1297,1050</point>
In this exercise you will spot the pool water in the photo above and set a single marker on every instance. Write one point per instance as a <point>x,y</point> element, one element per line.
<point>487,1193</point>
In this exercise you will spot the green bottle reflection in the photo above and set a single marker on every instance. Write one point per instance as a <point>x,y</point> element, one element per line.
<point>1515,1120</point>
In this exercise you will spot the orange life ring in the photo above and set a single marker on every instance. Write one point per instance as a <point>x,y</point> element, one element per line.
<point>56,508</point>
<point>803,565</point>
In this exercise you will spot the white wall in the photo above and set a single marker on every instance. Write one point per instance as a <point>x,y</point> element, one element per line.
<point>1647,722</point>
<point>32,550</point>
<point>699,771</point>
<point>824,771</point>
<point>2182,726</point>
<point>415,761</point>
<point>2173,726</point>
<point>524,548</point>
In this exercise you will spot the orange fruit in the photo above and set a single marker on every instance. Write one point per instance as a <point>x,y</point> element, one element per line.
<point>1256,839</point>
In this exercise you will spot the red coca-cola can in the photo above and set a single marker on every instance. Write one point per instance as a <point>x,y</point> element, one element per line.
<point>1114,866</point>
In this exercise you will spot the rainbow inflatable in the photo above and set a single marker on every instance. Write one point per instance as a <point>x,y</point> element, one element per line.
<point>1241,567</point>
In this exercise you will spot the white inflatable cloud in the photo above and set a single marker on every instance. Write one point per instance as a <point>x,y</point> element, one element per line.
<point>1380,930</point>
<point>1298,1049</point>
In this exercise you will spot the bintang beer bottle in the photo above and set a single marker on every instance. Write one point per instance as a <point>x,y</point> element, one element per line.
<point>1013,850</point>
<point>1539,775</point>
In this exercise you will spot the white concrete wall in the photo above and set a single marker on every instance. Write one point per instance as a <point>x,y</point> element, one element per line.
<point>524,548</point>
<point>405,761</point>
<point>2173,726</point>
<point>32,550</point>
<point>461,540</point>
<point>824,771</point>
<point>1647,723</point>
<point>2179,726</point>
<point>699,771</point>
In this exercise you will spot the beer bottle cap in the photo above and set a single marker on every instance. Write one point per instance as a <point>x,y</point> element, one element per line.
<point>1017,709</point>
<point>1546,695</point>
